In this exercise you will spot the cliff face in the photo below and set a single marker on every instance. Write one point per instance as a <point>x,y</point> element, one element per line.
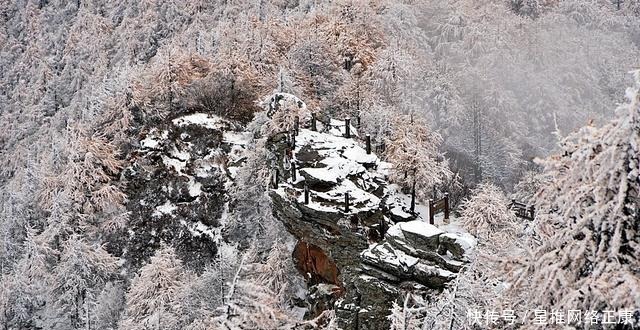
<point>359,246</point>
<point>357,258</point>
<point>177,184</point>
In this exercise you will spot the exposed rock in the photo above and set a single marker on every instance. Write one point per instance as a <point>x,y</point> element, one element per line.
<point>315,265</point>
<point>177,186</point>
<point>456,244</point>
<point>373,269</point>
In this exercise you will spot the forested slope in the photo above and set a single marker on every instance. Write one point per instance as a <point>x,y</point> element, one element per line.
<point>476,88</point>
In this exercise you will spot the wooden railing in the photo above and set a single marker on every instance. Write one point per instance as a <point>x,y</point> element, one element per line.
<point>438,206</point>
<point>522,210</point>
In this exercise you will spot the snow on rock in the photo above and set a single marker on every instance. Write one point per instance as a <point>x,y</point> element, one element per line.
<point>166,208</point>
<point>173,163</point>
<point>398,210</point>
<point>333,166</point>
<point>238,138</point>
<point>324,144</point>
<point>323,175</point>
<point>448,250</point>
<point>459,244</point>
<point>378,245</point>
<point>343,167</point>
<point>420,228</point>
<point>149,143</point>
<point>195,188</point>
<point>417,250</point>
<point>395,231</point>
<point>320,207</point>
<point>198,229</point>
<point>153,139</point>
<point>433,274</point>
<point>386,255</point>
<point>201,119</point>
<point>359,155</point>
<point>385,262</point>
<point>185,164</point>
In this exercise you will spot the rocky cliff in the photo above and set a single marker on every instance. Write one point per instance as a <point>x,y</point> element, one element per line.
<point>359,245</point>
<point>177,186</point>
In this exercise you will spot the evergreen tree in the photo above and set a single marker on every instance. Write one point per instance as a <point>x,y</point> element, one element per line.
<point>152,300</point>
<point>27,284</point>
<point>413,149</point>
<point>588,220</point>
<point>108,307</point>
<point>82,269</point>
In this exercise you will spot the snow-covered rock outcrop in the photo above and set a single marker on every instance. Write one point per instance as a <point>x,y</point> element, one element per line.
<point>418,251</point>
<point>178,179</point>
<point>376,247</point>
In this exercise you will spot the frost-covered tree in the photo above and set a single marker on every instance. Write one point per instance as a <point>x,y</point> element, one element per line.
<point>253,306</point>
<point>251,302</point>
<point>229,89</point>
<point>81,80</point>
<point>108,306</point>
<point>405,317</point>
<point>526,189</point>
<point>278,273</point>
<point>27,286</point>
<point>251,207</point>
<point>474,290</point>
<point>160,89</point>
<point>412,148</point>
<point>486,214</point>
<point>82,268</point>
<point>390,75</point>
<point>203,296</point>
<point>587,220</point>
<point>152,300</point>
<point>316,64</point>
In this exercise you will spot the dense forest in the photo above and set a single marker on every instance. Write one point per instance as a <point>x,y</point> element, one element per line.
<point>157,158</point>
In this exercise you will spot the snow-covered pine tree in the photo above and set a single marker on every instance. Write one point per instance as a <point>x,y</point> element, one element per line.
<point>277,272</point>
<point>152,299</point>
<point>474,290</point>
<point>530,183</point>
<point>251,207</point>
<point>108,307</point>
<point>254,306</point>
<point>256,299</point>
<point>413,149</point>
<point>82,268</point>
<point>588,221</point>
<point>405,316</point>
<point>202,297</point>
<point>27,285</point>
<point>486,214</point>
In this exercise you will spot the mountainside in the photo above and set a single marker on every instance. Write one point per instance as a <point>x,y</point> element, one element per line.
<point>305,164</point>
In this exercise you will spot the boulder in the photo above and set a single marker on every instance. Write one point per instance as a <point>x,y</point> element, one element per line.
<point>421,235</point>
